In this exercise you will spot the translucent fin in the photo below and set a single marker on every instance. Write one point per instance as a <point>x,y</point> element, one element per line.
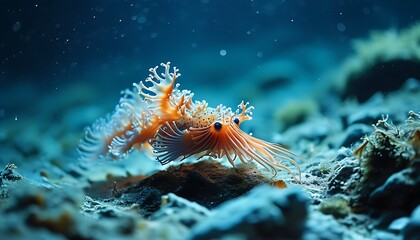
<point>137,117</point>
<point>93,145</point>
<point>113,136</point>
<point>230,141</point>
<point>171,143</point>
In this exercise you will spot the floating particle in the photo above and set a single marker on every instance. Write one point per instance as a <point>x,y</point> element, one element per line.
<point>16,26</point>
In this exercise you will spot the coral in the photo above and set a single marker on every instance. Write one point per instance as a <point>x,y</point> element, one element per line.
<point>390,167</point>
<point>390,148</point>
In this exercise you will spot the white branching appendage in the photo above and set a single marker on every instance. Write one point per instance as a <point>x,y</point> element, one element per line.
<point>157,114</point>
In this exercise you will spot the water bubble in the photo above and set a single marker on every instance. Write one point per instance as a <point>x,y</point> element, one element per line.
<point>341,27</point>
<point>16,26</point>
<point>223,52</point>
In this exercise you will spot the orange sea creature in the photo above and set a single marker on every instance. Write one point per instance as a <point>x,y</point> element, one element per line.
<point>156,114</point>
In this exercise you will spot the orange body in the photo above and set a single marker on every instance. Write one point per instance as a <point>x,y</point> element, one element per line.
<point>166,119</point>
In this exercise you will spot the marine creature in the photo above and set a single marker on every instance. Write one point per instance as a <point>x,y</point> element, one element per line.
<point>156,115</point>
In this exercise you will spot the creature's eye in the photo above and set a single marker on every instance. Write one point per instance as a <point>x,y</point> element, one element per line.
<point>236,120</point>
<point>217,126</point>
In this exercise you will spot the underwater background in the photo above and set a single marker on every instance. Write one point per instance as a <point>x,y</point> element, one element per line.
<point>319,74</point>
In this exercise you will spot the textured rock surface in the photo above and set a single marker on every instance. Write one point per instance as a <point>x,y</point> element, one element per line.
<point>206,182</point>
<point>382,63</point>
<point>263,213</point>
<point>412,229</point>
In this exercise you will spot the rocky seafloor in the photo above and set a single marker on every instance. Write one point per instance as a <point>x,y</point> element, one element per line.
<point>360,178</point>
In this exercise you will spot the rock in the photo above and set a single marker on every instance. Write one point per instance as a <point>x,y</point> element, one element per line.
<point>336,206</point>
<point>264,213</point>
<point>392,74</point>
<point>295,112</point>
<point>7,176</point>
<point>353,134</point>
<point>398,224</point>
<point>382,63</point>
<point>345,173</point>
<point>206,182</point>
<point>412,229</point>
<point>9,173</point>
<point>325,227</point>
<point>383,235</point>
<point>324,128</point>
<point>179,210</point>
<point>36,212</point>
<point>400,191</point>
<point>41,209</point>
<point>369,113</point>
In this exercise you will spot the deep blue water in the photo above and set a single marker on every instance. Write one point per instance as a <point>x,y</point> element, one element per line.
<point>47,46</point>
